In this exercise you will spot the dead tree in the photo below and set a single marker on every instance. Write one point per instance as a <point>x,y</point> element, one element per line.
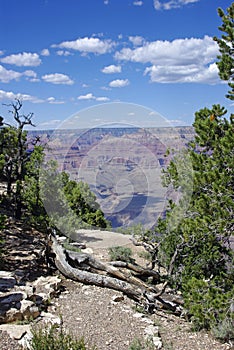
<point>123,277</point>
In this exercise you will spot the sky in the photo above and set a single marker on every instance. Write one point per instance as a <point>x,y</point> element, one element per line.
<point>63,57</point>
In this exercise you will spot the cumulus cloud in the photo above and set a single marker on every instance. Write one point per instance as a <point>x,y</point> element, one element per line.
<point>119,83</point>
<point>63,53</point>
<point>102,99</point>
<point>182,74</point>
<point>8,75</point>
<point>111,69</point>
<point>171,4</point>
<point>45,52</point>
<point>57,78</point>
<point>23,59</point>
<point>136,40</point>
<point>52,100</point>
<point>90,96</point>
<point>31,76</point>
<point>9,95</point>
<point>138,3</point>
<point>177,61</point>
<point>87,45</point>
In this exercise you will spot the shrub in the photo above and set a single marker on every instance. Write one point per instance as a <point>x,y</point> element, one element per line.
<point>224,329</point>
<point>120,253</point>
<point>209,306</point>
<point>55,338</point>
<point>139,344</point>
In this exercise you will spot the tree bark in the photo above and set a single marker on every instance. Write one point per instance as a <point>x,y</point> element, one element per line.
<point>86,269</point>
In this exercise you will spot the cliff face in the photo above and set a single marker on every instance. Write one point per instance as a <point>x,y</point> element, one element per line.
<point>122,166</point>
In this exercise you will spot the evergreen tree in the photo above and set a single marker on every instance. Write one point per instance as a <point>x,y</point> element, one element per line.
<point>226,48</point>
<point>14,154</point>
<point>195,247</point>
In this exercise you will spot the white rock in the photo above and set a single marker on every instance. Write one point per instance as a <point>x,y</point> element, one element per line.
<point>50,318</point>
<point>87,250</point>
<point>15,331</point>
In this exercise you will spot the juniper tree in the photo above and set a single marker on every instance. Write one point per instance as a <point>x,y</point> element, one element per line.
<point>195,247</point>
<point>226,48</point>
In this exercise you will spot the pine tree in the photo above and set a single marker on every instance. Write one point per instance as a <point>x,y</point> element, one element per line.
<point>195,247</point>
<point>226,47</point>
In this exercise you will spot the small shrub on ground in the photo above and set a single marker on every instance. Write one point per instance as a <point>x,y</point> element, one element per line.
<point>120,253</point>
<point>224,331</point>
<point>68,246</point>
<point>55,338</point>
<point>209,307</point>
<point>139,344</point>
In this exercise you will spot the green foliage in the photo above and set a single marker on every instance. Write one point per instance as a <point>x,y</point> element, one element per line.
<point>208,302</point>
<point>139,344</point>
<point>120,253</point>
<point>193,239</point>
<point>68,246</point>
<point>224,330</point>
<point>35,211</point>
<point>226,48</point>
<point>70,205</point>
<point>54,338</point>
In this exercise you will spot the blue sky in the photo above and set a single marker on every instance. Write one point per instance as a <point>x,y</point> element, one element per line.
<point>63,56</point>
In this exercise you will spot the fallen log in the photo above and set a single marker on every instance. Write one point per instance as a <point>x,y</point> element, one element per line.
<point>86,277</point>
<point>76,266</point>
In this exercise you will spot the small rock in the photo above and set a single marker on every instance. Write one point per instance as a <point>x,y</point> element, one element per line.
<point>50,318</point>
<point>87,250</point>
<point>15,331</point>
<point>7,281</point>
<point>118,298</point>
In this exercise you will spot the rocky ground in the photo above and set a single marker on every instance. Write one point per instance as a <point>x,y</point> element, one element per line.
<point>104,317</point>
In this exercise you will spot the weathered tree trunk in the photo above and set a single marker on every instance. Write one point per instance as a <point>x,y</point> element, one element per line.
<point>89,277</point>
<point>88,270</point>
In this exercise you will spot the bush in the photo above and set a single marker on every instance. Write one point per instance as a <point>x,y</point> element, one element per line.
<point>224,330</point>
<point>120,253</point>
<point>55,338</point>
<point>139,344</point>
<point>209,306</point>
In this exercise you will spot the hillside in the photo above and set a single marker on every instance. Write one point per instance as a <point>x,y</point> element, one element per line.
<point>123,167</point>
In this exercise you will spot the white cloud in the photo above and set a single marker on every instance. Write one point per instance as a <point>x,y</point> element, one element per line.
<point>45,52</point>
<point>181,74</point>
<point>9,95</point>
<point>138,3</point>
<point>8,75</point>
<point>23,59</point>
<point>90,96</point>
<point>102,99</point>
<point>87,45</point>
<point>136,40</point>
<point>1,52</point>
<point>177,61</point>
<point>31,76</point>
<point>172,4</point>
<point>57,78</point>
<point>52,100</point>
<point>119,83</point>
<point>111,69</point>
<point>106,2</point>
<point>63,53</point>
